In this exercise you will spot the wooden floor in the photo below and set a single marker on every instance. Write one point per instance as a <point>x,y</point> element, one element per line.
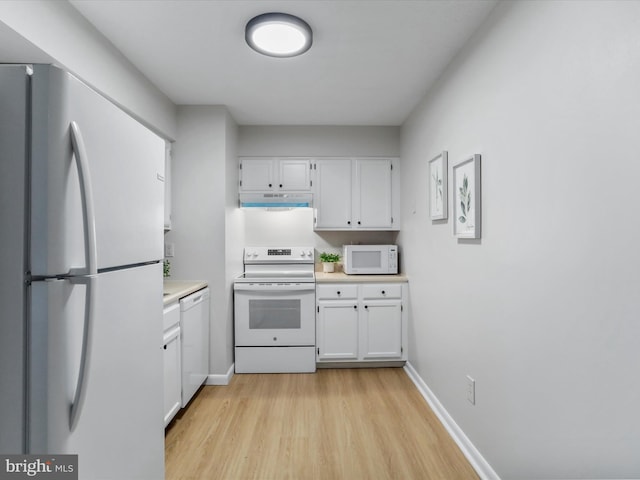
<point>353,424</point>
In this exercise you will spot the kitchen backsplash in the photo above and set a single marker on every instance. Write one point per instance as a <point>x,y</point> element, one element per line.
<point>295,227</point>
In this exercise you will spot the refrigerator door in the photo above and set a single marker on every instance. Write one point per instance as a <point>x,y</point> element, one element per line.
<point>14,87</point>
<point>119,430</point>
<point>125,175</point>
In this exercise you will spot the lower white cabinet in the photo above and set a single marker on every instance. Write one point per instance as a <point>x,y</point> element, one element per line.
<point>172,362</point>
<point>337,333</point>
<point>186,350</point>
<point>361,322</point>
<point>382,331</point>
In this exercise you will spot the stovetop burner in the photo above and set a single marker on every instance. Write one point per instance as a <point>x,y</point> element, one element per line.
<point>281,277</point>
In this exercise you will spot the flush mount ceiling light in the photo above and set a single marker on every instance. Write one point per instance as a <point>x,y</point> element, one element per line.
<point>278,35</point>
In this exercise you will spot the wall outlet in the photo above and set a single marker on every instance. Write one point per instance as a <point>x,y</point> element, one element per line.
<point>169,250</point>
<point>471,390</point>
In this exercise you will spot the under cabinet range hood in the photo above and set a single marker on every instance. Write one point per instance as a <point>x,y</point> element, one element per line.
<point>276,201</point>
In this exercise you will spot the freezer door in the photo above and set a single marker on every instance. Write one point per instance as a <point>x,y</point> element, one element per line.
<point>124,176</point>
<point>119,431</point>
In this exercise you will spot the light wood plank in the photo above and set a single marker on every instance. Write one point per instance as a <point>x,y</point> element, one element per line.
<point>334,424</point>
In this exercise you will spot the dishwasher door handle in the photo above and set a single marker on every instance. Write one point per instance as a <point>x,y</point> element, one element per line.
<point>194,299</point>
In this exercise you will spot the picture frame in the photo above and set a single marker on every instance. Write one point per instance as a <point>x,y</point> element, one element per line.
<point>438,186</point>
<point>467,205</point>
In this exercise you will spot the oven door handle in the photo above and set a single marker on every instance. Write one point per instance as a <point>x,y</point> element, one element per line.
<point>279,287</point>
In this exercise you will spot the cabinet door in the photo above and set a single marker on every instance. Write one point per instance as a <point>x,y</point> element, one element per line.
<point>167,187</point>
<point>382,329</point>
<point>257,174</point>
<point>294,174</point>
<point>333,194</point>
<point>372,202</point>
<point>337,331</point>
<point>172,372</point>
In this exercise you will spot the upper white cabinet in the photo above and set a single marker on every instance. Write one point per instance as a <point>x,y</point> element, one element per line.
<point>372,193</point>
<point>167,187</point>
<point>332,193</point>
<point>268,174</point>
<point>356,193</point>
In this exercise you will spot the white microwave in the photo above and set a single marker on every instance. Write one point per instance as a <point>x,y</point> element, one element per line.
<point>370,259</point>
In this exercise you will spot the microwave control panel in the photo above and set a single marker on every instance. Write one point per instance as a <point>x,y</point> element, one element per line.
<point>393,259</point>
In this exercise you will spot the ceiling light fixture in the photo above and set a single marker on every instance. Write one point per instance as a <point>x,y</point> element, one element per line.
<point>278,35</point>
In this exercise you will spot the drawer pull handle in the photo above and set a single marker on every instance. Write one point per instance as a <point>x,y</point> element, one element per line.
<point>165,347</point>
<point>355,306</point>
<point>366,307</point>
<point>383,292</point>
<point>338,292</point>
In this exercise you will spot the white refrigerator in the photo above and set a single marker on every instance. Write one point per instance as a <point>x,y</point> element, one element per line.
<point>81,237</point>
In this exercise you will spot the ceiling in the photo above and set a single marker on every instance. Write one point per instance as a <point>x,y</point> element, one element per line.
<point>370,64</point>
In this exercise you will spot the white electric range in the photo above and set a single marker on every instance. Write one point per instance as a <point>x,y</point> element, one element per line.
<point>275,311</point>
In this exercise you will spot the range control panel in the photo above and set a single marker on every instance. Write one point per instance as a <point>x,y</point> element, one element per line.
<point>279,251</point>
<point>278,255</point>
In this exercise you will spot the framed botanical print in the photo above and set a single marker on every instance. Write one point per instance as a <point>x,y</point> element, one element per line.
<point>438,187</point>
<point>467,209</point>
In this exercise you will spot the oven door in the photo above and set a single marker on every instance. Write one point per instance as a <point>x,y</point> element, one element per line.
<point>274,314</point>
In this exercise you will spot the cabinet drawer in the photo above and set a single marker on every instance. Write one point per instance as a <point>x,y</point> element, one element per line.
<point>171,316</point>
<point>381,290</point>
<point>336,292</point>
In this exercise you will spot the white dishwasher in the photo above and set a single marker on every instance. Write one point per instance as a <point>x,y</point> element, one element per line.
<point>194,329</point>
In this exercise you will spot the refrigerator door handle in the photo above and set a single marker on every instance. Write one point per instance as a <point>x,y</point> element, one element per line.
<point>86,193</point>
<point>85,355</point>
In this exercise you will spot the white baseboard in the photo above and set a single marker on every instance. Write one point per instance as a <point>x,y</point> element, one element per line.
<point>223,379</point>
<point>477,461</point>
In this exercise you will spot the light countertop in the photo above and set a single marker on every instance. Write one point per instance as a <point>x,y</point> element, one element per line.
<point>341,277</point>
<point>174,290</point>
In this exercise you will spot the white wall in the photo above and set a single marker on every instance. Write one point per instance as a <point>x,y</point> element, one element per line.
<point>61,33</point>
<point>325,141</point>
<point>203,224</point>
<point>234,239</point>
<point>543,310</point>
<point>296,226</point>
